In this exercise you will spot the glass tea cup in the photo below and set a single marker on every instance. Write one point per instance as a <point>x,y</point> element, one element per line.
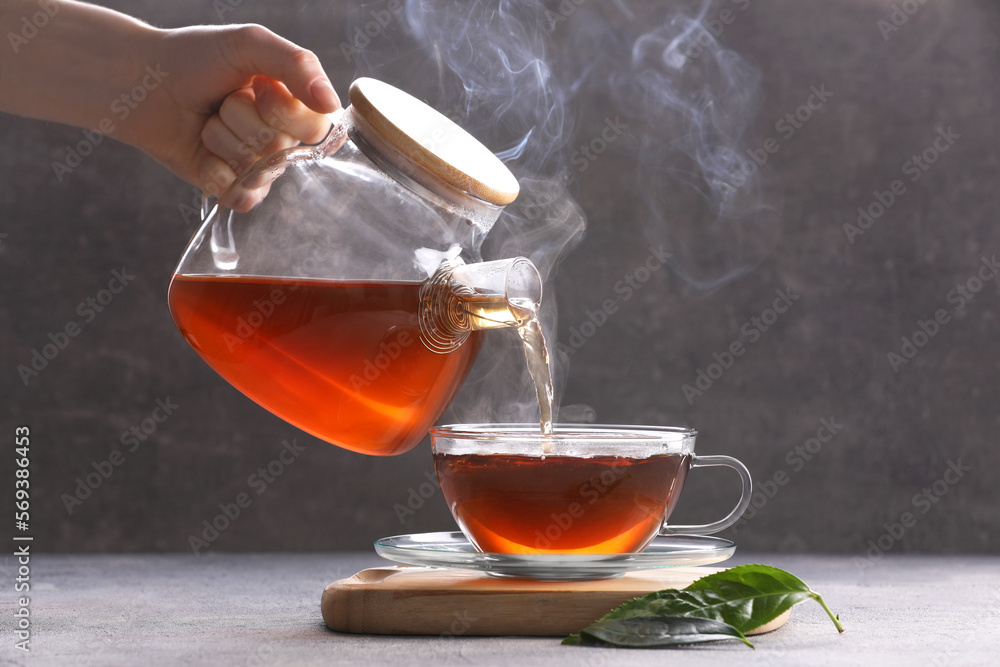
<point>585,489</point>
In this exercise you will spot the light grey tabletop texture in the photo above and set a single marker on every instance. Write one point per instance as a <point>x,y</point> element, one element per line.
<point>264,610</point>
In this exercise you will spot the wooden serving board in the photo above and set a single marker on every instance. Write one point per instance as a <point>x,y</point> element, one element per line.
<point>403,600</point>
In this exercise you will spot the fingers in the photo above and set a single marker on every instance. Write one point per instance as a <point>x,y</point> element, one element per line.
<point>256,50</point>
<point>217,179</point>
<point>238,135</point>
<point>240,113</point>
<point>281,111</point>
<point>285,105</point>
<point>223,157</point>
<point>220,140</point>
<point>215,174</point>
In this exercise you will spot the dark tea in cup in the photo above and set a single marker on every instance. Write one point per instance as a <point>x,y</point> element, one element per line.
<point>581,490</point>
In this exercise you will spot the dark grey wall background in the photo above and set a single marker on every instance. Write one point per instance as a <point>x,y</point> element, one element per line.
<point>825,359</point>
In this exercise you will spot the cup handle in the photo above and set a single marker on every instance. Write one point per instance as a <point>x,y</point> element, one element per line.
<point>732,517</point>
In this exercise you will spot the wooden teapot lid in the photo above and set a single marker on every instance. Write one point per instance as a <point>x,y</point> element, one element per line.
<point>432,141</point>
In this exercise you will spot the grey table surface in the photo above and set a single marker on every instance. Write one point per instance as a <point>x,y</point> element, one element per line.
<point>263,609</point>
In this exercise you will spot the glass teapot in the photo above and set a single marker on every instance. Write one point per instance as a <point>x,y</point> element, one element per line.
<point>341,285</point>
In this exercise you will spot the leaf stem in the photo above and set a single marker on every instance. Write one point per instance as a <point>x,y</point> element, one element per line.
<point>833,617</point>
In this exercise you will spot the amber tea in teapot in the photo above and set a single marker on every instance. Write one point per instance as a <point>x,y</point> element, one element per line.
<point>342,360</point>
<point>342,289</point>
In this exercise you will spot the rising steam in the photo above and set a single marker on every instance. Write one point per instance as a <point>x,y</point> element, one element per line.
<point>515,74</point>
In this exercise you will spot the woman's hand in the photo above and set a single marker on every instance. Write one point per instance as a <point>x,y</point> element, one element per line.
<point>233,95</point>
<point>204,101</point>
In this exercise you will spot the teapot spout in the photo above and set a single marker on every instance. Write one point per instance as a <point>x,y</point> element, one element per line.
<point>461,298</point>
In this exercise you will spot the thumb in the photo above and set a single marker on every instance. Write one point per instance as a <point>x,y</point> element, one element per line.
<point>256,50</point>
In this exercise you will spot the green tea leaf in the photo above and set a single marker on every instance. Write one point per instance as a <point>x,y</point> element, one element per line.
<point>652,631</point>
<point>744,597</point>
<point>756,595</point>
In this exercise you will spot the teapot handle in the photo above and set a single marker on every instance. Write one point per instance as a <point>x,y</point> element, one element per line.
<point>251,186</point>
<point>338,128</point>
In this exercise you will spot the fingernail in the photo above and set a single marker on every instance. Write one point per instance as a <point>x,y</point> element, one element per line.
<point>324,93</point>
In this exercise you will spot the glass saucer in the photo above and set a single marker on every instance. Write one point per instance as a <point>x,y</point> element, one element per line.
<point>454,550</point>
